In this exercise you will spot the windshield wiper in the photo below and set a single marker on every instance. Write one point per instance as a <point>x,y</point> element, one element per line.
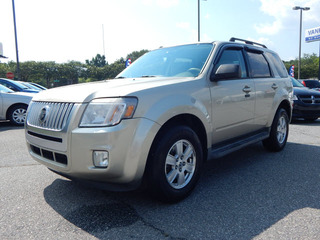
<point>120,77</point>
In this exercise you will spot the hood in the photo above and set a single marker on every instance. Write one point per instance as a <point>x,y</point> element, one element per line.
<point>79,93</point>
<point>29,94</point>
<point>305,90</point>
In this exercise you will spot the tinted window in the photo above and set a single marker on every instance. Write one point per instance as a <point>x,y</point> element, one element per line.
<point>281,69</point>
<point>258,65</point>
<point>312,84</point>
<point>232,56</point>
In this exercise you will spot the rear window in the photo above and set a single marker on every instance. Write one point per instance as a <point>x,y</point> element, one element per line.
<point>281,69</point>
<point>259,67</point>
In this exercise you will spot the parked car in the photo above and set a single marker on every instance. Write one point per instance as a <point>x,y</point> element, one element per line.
<point>163,116</point>
<point>29,85</point>
<point>38,85</point>
<point>16,86</point>
<point>306,102</point>
<point>314,84</point>
<point>13,105</point>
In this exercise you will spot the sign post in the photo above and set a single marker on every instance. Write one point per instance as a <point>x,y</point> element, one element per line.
<point>312,35</point>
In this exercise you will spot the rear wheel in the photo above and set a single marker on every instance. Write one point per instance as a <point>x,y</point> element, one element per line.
<point>279,132</point>
<point>174,164</point>
<point>17,115</point>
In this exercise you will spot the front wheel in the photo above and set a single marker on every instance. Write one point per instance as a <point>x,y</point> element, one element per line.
<point>174,164</point>
<point>279,132</point>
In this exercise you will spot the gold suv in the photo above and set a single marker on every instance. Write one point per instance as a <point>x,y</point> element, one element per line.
<point>163,116</point>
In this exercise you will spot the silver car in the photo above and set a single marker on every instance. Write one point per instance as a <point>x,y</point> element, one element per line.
<point>13,105</point>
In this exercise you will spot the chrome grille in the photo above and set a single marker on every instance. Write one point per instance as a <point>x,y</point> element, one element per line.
<point>49,115</point>
<point>313,99</point>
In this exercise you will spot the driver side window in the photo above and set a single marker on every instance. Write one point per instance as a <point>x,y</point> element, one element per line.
<point>232,56</point>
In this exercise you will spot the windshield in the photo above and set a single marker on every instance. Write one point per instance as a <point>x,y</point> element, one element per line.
<point>28,85</point>
<point>296,83</point>
<point>5,89</point>
<point>180,61</point>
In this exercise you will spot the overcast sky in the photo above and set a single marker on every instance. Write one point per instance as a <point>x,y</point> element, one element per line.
<point>64,30</point>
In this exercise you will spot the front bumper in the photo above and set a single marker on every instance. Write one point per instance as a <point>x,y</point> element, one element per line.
<point>127,143</point>
<point>303,110</point>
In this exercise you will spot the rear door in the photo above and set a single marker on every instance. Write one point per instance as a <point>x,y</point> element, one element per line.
<point>266,85</point>
<point>233,100</point>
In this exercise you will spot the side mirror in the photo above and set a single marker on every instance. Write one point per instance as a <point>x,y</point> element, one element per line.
<point>226,71</point>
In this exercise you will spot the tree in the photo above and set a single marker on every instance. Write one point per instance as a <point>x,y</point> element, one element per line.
<point>98,61</point>
<point>309,66</point>
<point>136,54</point>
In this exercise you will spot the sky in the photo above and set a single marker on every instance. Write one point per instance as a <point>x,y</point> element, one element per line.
<point>66,30</point>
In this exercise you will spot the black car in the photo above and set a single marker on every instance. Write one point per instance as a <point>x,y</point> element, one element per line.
<point>314,84</point>
<point>16,86</point>
<point>306,102</point>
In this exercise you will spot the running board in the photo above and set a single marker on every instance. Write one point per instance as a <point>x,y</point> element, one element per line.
<point>222,149</point>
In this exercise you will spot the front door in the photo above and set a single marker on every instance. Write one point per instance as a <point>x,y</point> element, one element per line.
<point>233,101</point>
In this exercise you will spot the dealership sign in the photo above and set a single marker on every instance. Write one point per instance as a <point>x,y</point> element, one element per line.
<point>312,34</point>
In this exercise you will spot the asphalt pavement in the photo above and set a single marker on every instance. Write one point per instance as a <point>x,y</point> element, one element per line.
<point>249,194</point>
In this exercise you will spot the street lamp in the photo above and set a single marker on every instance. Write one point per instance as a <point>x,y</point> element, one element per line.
<point>304,9</point>
<point>16,39</point>
<point>199,20</point>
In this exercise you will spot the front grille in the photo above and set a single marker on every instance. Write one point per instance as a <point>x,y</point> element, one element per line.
<point>311,99</point>
<point>49,155</point>
<point>49,115</point>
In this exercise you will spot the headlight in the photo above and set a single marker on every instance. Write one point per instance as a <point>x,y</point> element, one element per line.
<point>294,97</point>
<point>108,111</point>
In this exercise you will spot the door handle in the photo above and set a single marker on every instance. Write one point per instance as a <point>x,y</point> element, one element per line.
<point>274,86</point>
<point>246,89</point>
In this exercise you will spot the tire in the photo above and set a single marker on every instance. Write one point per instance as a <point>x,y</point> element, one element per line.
<point>174,164</point>
<point>279,132</point>
<point>17,115</point>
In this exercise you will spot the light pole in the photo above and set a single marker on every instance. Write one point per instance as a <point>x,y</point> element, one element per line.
<point>16,39</point>
<point>199,20</point>
<point>304,9</point>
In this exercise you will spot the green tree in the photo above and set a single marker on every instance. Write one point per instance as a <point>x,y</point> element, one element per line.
<point>309,66</point>
<point>98,61</point>
<point>136,54</point>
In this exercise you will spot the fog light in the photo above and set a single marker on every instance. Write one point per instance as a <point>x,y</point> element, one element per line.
<point>101,159</point>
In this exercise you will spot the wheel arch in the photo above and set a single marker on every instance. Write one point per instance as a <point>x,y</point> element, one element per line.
<point>188,120</point>
<point>287,107</point>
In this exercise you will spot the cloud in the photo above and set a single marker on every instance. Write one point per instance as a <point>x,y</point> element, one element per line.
<point>167,3</point>
<point>161,3</point>
<point>283,15</point>
<point>269,28</point>
<point>262,40</point>
<point>183,25</point>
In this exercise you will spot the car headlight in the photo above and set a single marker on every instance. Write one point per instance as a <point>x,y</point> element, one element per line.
<point>294,97</point>
<point>104,112</point>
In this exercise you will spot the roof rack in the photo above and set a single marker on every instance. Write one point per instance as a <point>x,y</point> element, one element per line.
<point>247,42</point>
